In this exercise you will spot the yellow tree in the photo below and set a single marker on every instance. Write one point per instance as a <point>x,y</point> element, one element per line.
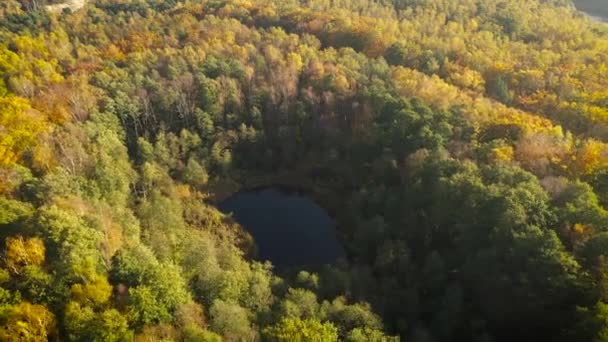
<point>94,292</point>
<point>21,252</point>
<point>589,157</point>
<point>28,322</point>
<point>19,126</point>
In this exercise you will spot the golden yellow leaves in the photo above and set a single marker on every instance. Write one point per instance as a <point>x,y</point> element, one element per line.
<point>96,291</point>
<point>465,78</point>
<point>295,61</point>
<point>503,154</point>
<point>19,125</point>
<point>431,89</point>
<point>591,156</point>
<point>113,52</point>
<point>28,322</point>
<point>442,95</point>
<point>21,252</point>
<point>562,153</point>
<point>579,228</point>
<point>29,68</point>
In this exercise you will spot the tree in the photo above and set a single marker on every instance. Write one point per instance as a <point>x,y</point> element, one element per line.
<point>145,307</point>
<point>21,125</point>
<point>195,174</point>
<point>158,295</point>
<point>298,330</point>
<point>84,324</point>
<point>369,335</point>
<point>28,322</point>
<point>95,292</point>
<point>231,321</point>
<point>201,335</point>
<point>20,252</point>
<point>13,211</point>
<point>300,303</point>
<point>349,317</point>
<point>499,88</point>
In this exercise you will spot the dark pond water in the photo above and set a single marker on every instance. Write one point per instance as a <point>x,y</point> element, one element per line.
<point>597,9</point>
<point>289,228</point>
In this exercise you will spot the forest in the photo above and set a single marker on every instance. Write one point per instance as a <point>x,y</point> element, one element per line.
<point>461,146</point>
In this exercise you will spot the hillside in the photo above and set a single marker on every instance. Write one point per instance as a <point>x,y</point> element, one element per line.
<point>460,145</point>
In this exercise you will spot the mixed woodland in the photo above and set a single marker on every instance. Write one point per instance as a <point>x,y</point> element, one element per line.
<point>461,146</point>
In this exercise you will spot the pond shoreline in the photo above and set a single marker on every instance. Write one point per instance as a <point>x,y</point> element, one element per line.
<point>300,178</point>
<point>310,180</point>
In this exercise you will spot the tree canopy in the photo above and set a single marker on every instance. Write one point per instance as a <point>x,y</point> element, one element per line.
<point>461,146</point>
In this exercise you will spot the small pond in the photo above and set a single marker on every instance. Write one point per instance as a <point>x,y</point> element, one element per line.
<point>289,228</point>
<point>597,9</point>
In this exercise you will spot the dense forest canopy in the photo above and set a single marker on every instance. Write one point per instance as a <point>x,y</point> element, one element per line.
<point>460,144</point>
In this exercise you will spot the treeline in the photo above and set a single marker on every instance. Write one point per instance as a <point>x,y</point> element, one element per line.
<point>460,145</point>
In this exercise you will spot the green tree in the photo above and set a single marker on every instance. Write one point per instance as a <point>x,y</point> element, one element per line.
<point>369,335</point>
<point>84,324</point>
<point>231,321</point>
<point>298,330</point>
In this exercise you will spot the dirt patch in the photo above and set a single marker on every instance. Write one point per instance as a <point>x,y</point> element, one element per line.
<point>73,5</point>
